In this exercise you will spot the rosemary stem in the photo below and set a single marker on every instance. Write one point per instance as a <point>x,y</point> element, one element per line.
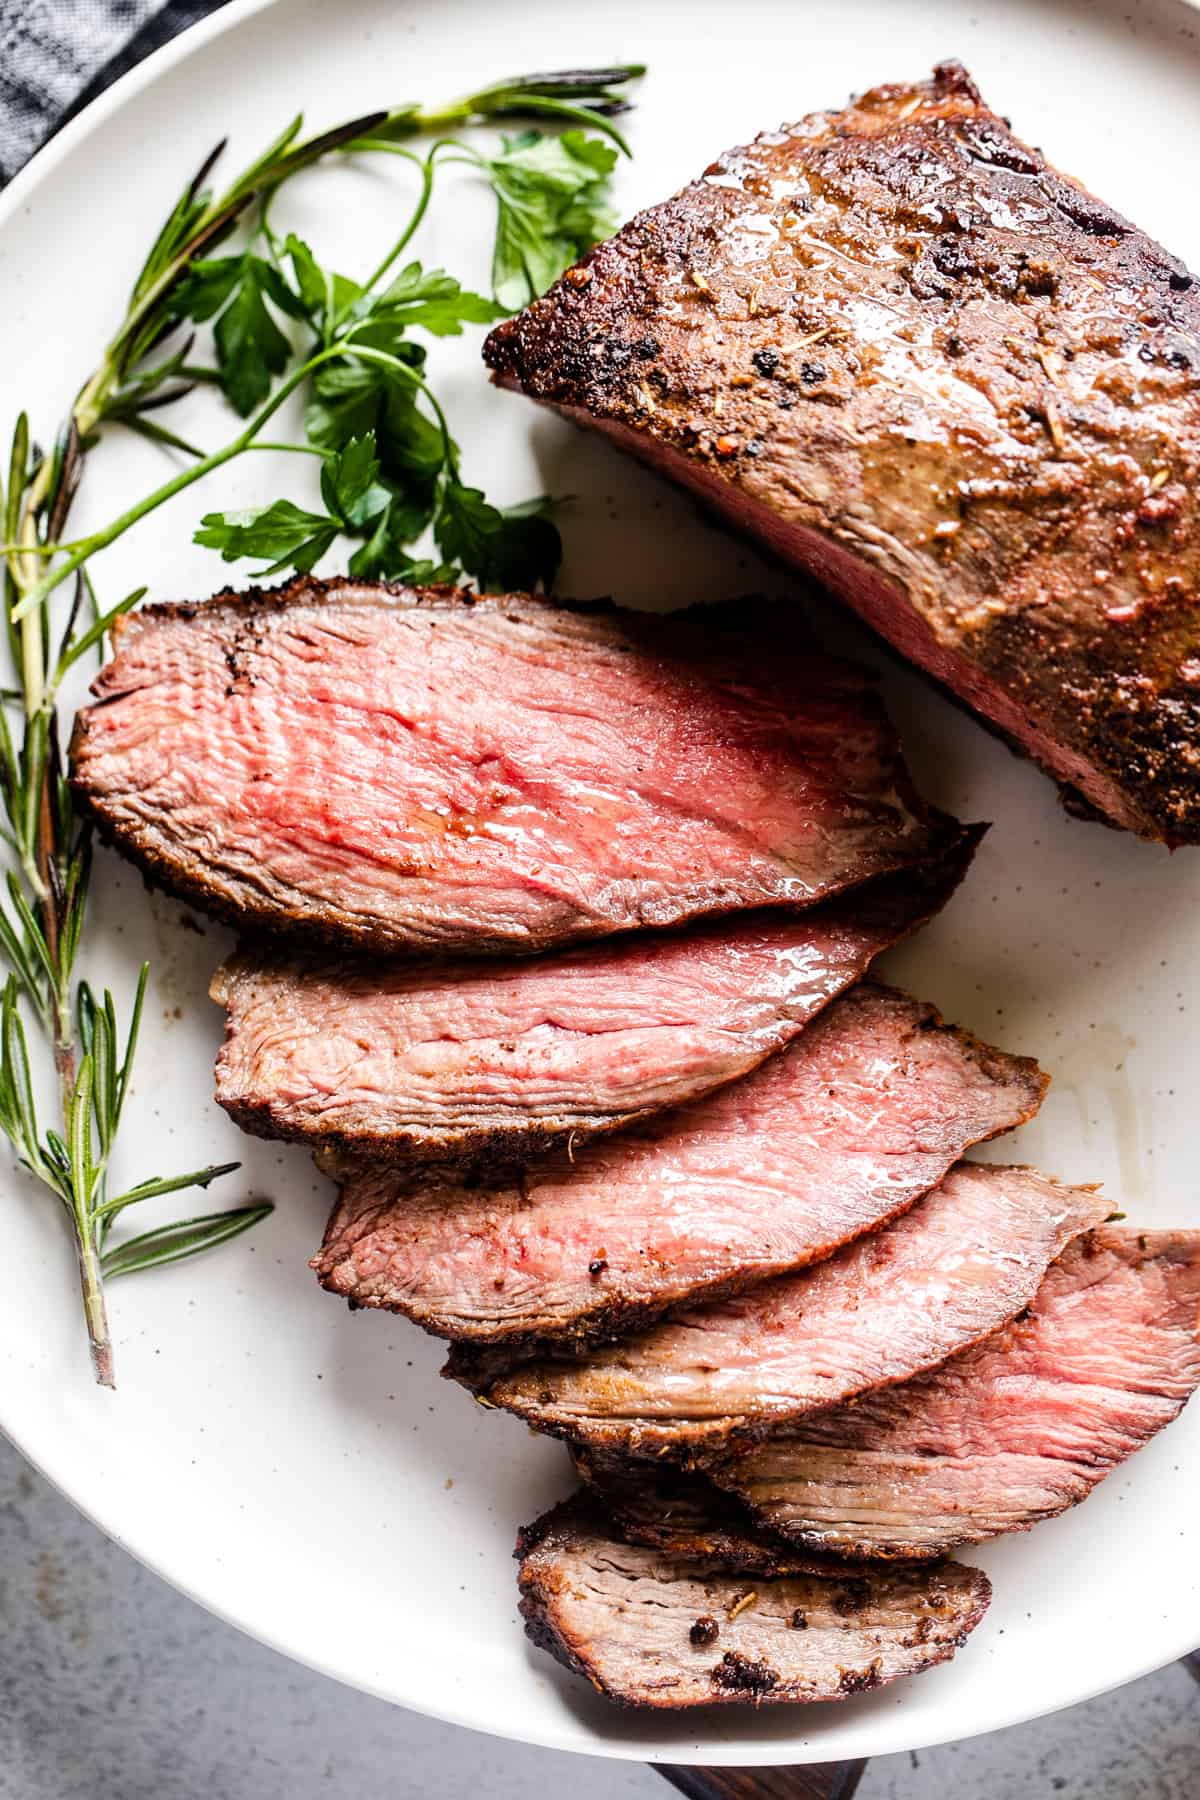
<point>95,1311</point>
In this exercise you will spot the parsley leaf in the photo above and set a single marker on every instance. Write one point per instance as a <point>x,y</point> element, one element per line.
<point>324,294</point>
<point>516,547</point>
<point>251,348</point>
<point>352,398</point>
<point>433,300</point>
<point>554,203</point>
<point>389,469</point>
<point>292,537</point>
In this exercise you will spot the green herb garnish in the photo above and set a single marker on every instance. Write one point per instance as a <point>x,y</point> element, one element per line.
<point>389,473</point>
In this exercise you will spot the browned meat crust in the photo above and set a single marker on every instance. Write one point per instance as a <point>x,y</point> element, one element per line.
<point>898,346</point>
<point>652,1628</point>
<point>680,1510</point>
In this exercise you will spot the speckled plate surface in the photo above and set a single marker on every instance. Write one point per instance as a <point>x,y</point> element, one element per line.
<point>303,1471</point>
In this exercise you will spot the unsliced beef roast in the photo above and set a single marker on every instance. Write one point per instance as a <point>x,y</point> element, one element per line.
<point>444,1061</point>
<point>649,1627</point>
<point>397,768</point>
<point>1016,1430</point>
<point>961,1264</point>
<point>848,1126</point>
<point>899,348</point>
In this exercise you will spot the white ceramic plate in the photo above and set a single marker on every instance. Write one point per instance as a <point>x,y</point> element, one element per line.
<point>302,1471</point>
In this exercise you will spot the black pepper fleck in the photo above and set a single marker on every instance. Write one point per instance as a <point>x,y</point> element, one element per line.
<point>852,1596</point>
<point>740,1675</point>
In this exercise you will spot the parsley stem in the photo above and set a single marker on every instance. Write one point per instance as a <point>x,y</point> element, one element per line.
<point>35,596</point>
<point>426,164</point>
<point>291,449</point>
<point>422,206</point>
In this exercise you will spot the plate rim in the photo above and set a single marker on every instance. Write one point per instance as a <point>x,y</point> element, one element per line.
<point>19,194</point>
<point>76,131</point>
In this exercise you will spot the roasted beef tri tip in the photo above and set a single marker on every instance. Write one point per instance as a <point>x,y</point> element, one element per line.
<point>848,1126</point>
<point>1010,1433</point>
<point>400,769</point>
<point>901,349</point>
<point>654,1628</point>
<point>958,1266</point>
<point>446,1062</point>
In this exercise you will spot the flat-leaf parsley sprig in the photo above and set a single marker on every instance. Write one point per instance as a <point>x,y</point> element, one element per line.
<point>390,470</point>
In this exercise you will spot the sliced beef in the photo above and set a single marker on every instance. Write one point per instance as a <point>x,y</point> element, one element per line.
<point>397,768</point>
<point>848,1126</point>
<point>956,1268</point>
<point>1014,1431</point>
<point>444,1062</point>
<point>669,1508</point>
<point>905,353</point>
<point>650,1627</point>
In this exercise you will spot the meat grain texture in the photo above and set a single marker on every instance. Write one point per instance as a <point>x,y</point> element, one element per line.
<point>957,1267</point>
<point>398,769</point>
<point>448,1061</point>
<point>844,1129</point>
<point>652,1628</point>
<point>1012,1432</point>
<point>909,355</point>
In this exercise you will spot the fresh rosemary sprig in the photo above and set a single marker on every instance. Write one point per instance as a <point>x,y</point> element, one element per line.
<point>390,469</point>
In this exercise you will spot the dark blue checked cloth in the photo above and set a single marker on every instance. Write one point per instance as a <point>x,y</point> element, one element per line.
<point>56,55</point>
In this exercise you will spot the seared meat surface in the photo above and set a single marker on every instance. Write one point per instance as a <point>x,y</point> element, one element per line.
<point>669,1508</point>
<point>399,769</point>
<point>897,346</point>
<point>445,1061</point>
<point>1013,1431</point>
<point>844,1129</point>
<point>654,1628</point>
<point>954,1269</point>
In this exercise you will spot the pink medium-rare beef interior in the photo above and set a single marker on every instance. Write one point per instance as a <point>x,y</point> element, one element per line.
<point>396,768</point>
<point>849,1125</point>
<point>957,1267</point>
<point>449,1060</point>
<point>1011,1432</point>
<point>1004,1435</point>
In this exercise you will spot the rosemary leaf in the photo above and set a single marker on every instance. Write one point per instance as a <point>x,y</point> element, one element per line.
<point>189,1237</point>
<point>165,1184</point>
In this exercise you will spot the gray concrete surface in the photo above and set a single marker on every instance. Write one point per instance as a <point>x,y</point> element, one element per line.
<point>114,1687</point>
